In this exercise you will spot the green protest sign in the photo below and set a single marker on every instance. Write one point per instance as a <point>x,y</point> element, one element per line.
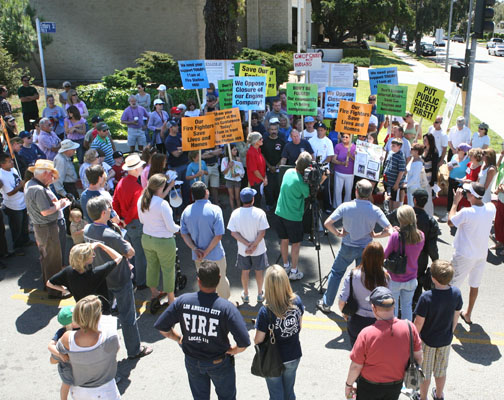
<point>302,98</point>
<point>391,99</point>
<point>225,93</point>
<point>427,101</point>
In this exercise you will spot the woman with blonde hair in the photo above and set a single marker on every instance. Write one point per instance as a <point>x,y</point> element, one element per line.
<point>92,351</point>
<point>283,310</point>
<point>158,239</point>
<point>488,173</point>
<point>403,285</point>
<point>90,158</point>
<point>79,279</point>
<point>73,100</point>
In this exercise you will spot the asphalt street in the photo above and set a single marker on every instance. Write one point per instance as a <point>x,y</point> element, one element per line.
<point>29,323</point>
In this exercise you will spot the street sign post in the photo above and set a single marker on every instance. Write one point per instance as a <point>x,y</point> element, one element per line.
<point>48,27</point>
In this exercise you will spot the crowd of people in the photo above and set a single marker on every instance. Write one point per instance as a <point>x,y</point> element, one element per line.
<point>63,175</point>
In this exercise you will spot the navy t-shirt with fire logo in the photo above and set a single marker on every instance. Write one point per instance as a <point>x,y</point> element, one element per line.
<point>286,329</point>
<point>205,321</point>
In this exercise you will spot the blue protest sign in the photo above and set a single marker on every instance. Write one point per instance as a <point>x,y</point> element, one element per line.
<point>48,27</point>
<point>386,76</point>
<point>249,93</point>
<point>193,74</point>
<point>333,96</point>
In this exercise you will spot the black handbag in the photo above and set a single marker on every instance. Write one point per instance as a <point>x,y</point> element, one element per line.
<point>351,305</point>
<point>267,362</point>
<point>414,376</point>
<point>396,262</point>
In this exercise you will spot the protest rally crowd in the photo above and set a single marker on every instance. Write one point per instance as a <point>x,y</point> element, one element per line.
<point>63,176</point>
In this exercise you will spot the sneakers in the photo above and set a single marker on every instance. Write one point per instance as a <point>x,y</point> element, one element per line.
<point>287,267</point>
<point>444,218</point>
<point>434,395</point>
<point>322,307</point>
<point>295,275</point>
<point>245,297</point>
<point>260,297</point>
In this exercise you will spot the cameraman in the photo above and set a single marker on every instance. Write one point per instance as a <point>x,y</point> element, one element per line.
<point>290,210</point>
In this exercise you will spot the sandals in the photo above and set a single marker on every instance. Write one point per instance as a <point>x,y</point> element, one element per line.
<point>144,351</point>
<point>462,315</point>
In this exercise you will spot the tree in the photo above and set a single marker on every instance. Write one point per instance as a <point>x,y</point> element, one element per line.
<point>9,76</point>
<point>221,20</point>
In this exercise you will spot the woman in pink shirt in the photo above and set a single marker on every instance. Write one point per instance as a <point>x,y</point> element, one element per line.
<point>343,160</point>
<point>75,130</point>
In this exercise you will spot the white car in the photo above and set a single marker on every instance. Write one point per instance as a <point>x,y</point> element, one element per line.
<point>497,49</point>
<point>492,42</point>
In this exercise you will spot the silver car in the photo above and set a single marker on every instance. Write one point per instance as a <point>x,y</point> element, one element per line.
<point>497,49</point>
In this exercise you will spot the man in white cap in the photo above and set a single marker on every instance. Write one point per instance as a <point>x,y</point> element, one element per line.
<point>458,134</point>
<point>63,162</point>
<point>471,240</point>
<point>124,202</point>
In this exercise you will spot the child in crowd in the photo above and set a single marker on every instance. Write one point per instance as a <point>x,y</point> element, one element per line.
<point>233,171</point>
<point>117,167</point>
<point>36,130</point>
<point>108,170</point>
<point>20,162</point>
<point>77,225</point>
<point>193,172</point>
<point>29,151</point>
<point>64,367</point>
<point>437,313</point>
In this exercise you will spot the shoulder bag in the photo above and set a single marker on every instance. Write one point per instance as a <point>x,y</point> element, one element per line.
<point>267,362</point>
<point>351,305</point>
<point>397,260</point>
<point>414,375</point>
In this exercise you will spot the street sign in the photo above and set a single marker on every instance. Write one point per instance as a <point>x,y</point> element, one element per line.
<point>48,27</point>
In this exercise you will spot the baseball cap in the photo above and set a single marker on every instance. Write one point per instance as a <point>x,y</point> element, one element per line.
<point>247,194</point>
<point>117,154</point>
<point>161,87</point>
<point>483,126</point>
<point>320,125</point>
<point>309,119</point>
<point>158,101</point>
<point>381,297</point>
<point>460,120</point>
<point>24,134</point>
<point>65,315</point>
<point>274,121</point>
<point>420,194</point>
<point>170,124</point>
<point>96,119</point>
<point>475,188</point>
<point>182,107</point>
<point>175,110</point>
<point>373,120</point>
<point>464,147</point>
<point>67,84</point>
<point>102,126</point>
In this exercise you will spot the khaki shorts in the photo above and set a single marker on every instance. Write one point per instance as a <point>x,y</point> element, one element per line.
<point>435,360</point>
<point>213,175</point>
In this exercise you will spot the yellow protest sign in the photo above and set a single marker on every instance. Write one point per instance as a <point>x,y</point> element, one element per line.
<point>259,70</point>
<point>228,126</point>
<point>427,101</point>
<point>353,118</point>
<point>198,133</point>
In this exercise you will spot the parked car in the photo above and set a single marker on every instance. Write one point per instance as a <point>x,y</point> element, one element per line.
<point>491,43</point>
<point>497,50</point>
<point>440,43</point>
<point>428,49</point>
<point>458,38</point>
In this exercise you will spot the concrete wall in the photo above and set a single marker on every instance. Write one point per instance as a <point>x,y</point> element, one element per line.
<point>94,37</point>
<point>268,22</point>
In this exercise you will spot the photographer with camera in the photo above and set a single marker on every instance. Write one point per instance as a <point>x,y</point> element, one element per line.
<point>290,209</point>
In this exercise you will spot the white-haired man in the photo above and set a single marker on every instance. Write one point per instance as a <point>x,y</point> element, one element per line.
<point>135,117</point>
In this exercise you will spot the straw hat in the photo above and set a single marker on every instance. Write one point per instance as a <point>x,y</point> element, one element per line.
<point>45,164</point>
<point>132,162</point>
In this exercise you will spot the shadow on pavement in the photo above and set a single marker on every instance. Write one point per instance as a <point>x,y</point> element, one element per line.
<point>35,318</point>
<point>343,340</point>
<point>124,368</point>
<point>476,346</point>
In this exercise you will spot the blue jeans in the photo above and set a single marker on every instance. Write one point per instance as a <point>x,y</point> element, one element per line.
<point>282,387</point>
<point>404,291</point>
<point>80,150</point>
<point>18,224</point>
<point>134,236</point>
<point>127,316</point>
<point>222,375</point>
<point>346,256</point>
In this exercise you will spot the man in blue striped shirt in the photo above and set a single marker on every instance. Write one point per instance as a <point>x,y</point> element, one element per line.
<point>104,142</point>
<point>394,174</point>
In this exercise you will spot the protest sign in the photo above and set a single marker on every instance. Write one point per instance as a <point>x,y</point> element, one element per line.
<point>307,61</point>
<point>228,126</point>
<point>198,133</point>
<point>332,74</point>
<point>332,99</point>
<point>427,101</point>
<point>353,118</point>
<point>368,160</point>
<point>249,93</point>
<point>259,70</point>
<point>221,69</point>
<point>225,93</point>
<point>391,99</point>
<point>236,66</point>
<point>450,106</point>
<point>301,99</point>
<point>382,75</point>
<point>193,74</point>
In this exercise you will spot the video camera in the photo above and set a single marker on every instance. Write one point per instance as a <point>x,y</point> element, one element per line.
<point>313,174</point>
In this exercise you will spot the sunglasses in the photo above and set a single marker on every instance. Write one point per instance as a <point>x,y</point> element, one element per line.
<point>372,99</point>
<point>437,122</point>
<point>345,137</point>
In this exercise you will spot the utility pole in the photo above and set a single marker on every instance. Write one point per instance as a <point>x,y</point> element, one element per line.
<point>470,78</point>
<point>449,36</point>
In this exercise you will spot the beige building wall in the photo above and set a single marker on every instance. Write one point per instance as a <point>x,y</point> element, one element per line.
<point>268,22</point>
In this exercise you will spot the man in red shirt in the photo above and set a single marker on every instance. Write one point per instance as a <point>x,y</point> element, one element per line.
<point>124,202</point>
<point>381,353</point>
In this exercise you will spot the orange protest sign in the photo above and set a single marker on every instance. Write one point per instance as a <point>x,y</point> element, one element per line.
<point>198,133</point>
<point>6,136</point>
<point>353,118</point>
<point>228,126</point>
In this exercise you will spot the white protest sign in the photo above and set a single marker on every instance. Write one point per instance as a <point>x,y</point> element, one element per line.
<point>368,160</point>
<point>307,61</point>
<point>218,70</point>
<point>332,74</point>
<point>450,106</point>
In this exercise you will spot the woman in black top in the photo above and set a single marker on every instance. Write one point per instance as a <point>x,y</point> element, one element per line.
<point>80,279</point>
<point>430,159</point>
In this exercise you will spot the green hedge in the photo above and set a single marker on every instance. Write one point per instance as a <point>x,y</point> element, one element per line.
<point>358,61</point>
<point>381,38</point>
<point>281,61</point>
<point>113,120</point>
<point>353,52</point>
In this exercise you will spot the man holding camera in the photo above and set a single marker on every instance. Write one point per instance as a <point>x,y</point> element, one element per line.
<point>360,217</point>
<point>290,210</point>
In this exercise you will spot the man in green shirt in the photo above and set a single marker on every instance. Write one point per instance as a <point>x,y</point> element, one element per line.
<point>290,209</point>
<point>28,96</point>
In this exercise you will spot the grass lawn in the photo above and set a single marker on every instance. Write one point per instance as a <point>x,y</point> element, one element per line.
<point>386,58</point>
<point>363,92</point>
<point>428,62</point>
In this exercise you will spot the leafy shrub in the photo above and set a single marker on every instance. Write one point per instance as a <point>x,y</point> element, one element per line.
<point>113,120</point>
<point>358,61</point>
<point>125,79</point>
<point>353,52</point>
<point>278,47</point>
<point>9,75</point>
<point>281,61</point>
<point>381,38</point>
<point>160,68</point>
<point>391,47</point>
